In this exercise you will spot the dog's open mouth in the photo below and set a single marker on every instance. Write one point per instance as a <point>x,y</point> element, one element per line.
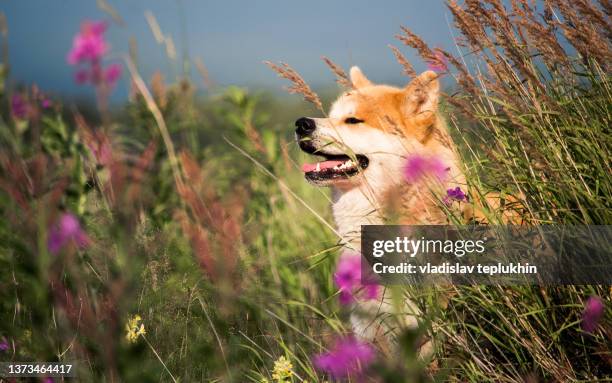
<point>335,167</point>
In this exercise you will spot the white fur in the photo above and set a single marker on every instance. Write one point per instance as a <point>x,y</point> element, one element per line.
<point>342,108</point>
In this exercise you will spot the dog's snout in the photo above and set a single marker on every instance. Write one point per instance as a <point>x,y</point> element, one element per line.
<point>305,126</point>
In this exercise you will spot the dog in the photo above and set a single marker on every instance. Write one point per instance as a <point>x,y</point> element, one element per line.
<point>364,143</point>
<point>370,132</point>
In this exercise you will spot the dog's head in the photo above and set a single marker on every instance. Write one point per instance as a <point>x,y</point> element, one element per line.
<point>369,131</point>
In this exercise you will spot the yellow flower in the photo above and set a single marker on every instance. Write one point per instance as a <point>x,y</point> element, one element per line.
<point>282,369</point>
<point>134,329</point>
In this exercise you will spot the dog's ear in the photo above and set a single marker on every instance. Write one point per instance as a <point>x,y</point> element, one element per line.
<point>421,97</point>
<point>358,79</point>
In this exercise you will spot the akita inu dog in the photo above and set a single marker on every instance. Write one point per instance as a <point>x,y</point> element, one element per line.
<point>365,141</point>
<point>370,132</point>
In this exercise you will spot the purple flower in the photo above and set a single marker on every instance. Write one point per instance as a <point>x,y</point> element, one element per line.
<point>81,76</point>
<point>66,230</point>
<point>592,314</point>
<point>89,48</point>
<point>88,44</point>
<point>350,282</point>
<point>438,63</point>
<point>4,344</point>
<point>455,194</point>
<point>418,167</point>
<point>112,73</point>
<point>46,103</point>
<point>19,106</point>
<point>48,380</point>
<point>95,27</point>
<point>348,271</point>
<point>348,357</point>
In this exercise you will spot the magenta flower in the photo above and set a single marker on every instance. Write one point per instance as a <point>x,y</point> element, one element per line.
<point>46,103</point>
<point>4,344</point>
<point>19,106</point>
<point>81,76</point>
<point>349,280</point>
<point>112,73</point>
<point>418,167</point>
<point>66,230</point>
<point>95,27</point>
<point>348,357</point>
<point>89,48</point>
<point>438,63</point>
<point>455,194</point>
<point>592,314</point>
<point>89,44</point>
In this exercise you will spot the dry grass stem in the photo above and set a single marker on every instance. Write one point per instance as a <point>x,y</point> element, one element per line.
<point>408,69</point>
<point>159,119</point>
<point>203,71</point>
<point>341,76</point>
<point>299,85</point>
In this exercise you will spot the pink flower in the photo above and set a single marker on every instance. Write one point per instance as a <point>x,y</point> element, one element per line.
<point>94,27</point>
<point>348,357</point>
<point>592,314</point>
<point>89,48</point>
<point>4,344</point>
<point>81,76</point>
<point>112,73</point>
<point>46,103</point>
<point>66,230</point>
<point>19,106</point>
<point>418,167</point>
<point>350,282</point>
<point>438,63</point>
<point>89,44</point>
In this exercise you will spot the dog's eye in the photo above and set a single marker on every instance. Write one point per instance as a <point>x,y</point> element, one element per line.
<point>353,120</point>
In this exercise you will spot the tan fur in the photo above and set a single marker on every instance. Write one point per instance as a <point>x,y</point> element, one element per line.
<point>409,111</point>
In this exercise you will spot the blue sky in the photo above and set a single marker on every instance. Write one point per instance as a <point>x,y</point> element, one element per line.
<point>232,37</point>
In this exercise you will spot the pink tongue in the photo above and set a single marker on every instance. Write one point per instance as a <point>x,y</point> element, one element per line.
<point>322,165</point>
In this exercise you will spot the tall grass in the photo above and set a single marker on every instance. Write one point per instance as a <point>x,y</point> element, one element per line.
<point>539,93</point>
<point>532,116</point>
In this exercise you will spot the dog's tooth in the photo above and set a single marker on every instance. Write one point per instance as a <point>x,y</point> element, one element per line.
<point>318,168</point>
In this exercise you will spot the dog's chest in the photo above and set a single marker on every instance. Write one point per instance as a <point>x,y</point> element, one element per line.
<point>351,210</point>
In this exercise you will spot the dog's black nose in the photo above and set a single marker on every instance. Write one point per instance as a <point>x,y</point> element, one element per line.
<point>305,126</point>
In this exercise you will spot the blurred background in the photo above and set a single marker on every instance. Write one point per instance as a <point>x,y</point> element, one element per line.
<point>231,38</point>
